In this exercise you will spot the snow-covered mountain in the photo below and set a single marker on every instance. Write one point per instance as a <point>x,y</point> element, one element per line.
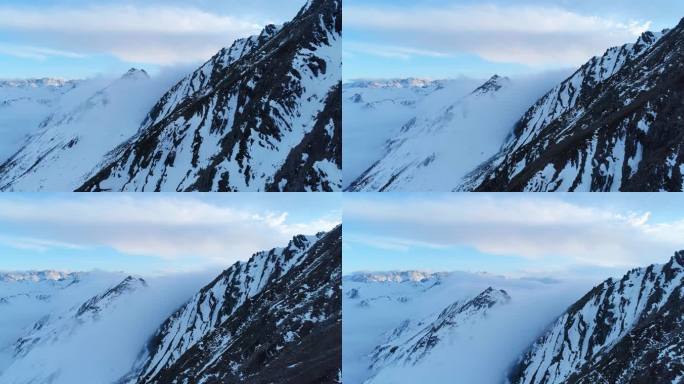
<point>388,104</point>
<point>32,357</point>
<point>24,104</point>
<point>76,135</point>
<point>395,276</point>
<point>627,330</point>
<point>27,297</point>
<point>443,136</point>
<point>262,115</point>
<point>273,318</point>
<point>611,126</point>
<point>408,327</point>
<point>276,316</point>
<point>37,276</point>
<point>412,343</point>
<point>623,330</point>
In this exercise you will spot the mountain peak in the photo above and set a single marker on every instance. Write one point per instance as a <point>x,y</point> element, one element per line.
<point>494,84</point>
<point>36,83</point>
<point>395,276</point>
<point>36,276</point>
<point>135,74</point>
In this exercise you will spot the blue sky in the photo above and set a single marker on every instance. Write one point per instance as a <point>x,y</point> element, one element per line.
<point>511,234</point>
<point>152,234</point>
<point>450,38</point>
<point>83,38</point>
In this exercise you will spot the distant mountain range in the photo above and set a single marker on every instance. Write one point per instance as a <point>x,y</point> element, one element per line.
<point>624,330</point>
<point>613,125</point>
<point>261,115</point>
<point>273,318</point>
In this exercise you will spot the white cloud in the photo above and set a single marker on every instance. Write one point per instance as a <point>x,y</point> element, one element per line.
<point>34,244</point>
<point>174,228</point>
<point>150,34</point>
<point>533,35</point>
<point>538,229</point>
<point>391,51</point>
<point>38,53</point>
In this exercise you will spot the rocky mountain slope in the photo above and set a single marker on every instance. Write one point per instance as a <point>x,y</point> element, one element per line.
<point>429,148</point>
<point>74,137</point>
<point>389,104</point>
<point>407,327</point>
<point>626,330</point>
<point>614,125</point>
<point>262,115</point>
<point>54,327</point>
<point>24,104</point>
<point>64,313</point>
<point>413,342</point>
<point>274,318</point>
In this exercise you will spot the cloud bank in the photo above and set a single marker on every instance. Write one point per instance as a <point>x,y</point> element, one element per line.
<point>534,35</point>
<point>155,34</point>
<point>533,228</point>
<point>172,228</point>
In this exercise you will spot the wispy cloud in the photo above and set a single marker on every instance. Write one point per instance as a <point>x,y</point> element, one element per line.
<point>538,229</point>
<point>34,244</point>
<point>173,228</point>
<point>391,51</point>
<point>528,34</point>
<point>153,34</point>
<point>38,53</point>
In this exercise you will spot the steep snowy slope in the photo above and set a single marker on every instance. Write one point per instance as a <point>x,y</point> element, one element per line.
<point>431,327</point>
<point>84,327</point>
<point>24,104</point>
<point>72,140</point>
<point>32,358</point>
<point>274,317</point>
<point>410,343</point>
<point>613,125</point>
<point>262,115</point>
<point>414,342</point>
<point>26,297</point>
<point>626,330</point>
<point>450,134</point>
<point>375,110</point>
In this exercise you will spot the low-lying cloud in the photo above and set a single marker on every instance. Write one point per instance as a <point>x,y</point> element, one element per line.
<point>534,35</point>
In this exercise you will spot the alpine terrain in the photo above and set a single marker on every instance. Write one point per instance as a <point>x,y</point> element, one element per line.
<point>273,318</point>
<point>261,115</point>
<point>403,327</point>
<point>535,331</point>
<point>64,147</point>
<point>627,330</point>
<point>25,104</point>
<point>612,125</point>
<point>389,104</point>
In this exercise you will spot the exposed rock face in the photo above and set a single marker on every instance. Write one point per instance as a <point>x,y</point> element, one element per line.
<point>274,318</point>
<point>614,125</point>
<point>623,331</point>
<point>262,115</point>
